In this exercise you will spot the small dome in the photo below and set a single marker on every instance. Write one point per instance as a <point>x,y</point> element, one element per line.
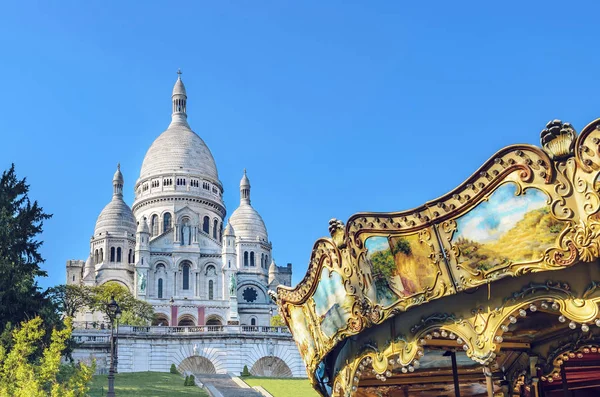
<point>89,267</point>
<point>115,218</point>
<point>273,267</point>
<point>179,88</point>
<point>247,223</point>
<point>179,149</point>
<point>245,182</point>
<point>143,226</point>
<point>229,230</point>
<point>118,177</point>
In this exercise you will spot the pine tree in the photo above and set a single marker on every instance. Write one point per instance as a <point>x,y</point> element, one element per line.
<point>20,223</point>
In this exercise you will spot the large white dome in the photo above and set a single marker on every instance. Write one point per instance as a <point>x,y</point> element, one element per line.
<point>179,149</point>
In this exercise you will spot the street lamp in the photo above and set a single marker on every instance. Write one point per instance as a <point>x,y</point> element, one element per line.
<point>270,317</point>
<point>117,316</point>
<point>114,312</point>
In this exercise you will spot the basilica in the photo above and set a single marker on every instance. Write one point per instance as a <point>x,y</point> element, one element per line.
<point>172,248</point>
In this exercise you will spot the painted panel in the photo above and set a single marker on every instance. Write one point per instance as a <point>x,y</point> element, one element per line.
<point>507,228</point>
<point>332,305</point>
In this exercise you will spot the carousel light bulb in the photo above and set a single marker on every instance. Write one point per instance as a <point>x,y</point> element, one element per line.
<point>388,373</point>
<point>354,388</point>
<point>465,347</point>
<point>572,325</point>
<point>512,319</point>
<point>498,339</point>
<point>522,313</point>
<point>562,319</point>
<point>555,306</point>
<point>550,380</point>
<point>504,328</point>
<point>361,367</point>
<point>585,328</point>
<point>459,341</point>
<point>428,337</point>
<point>533,307</point>
<point>411,368</point>
<point>571,355</point>
<point>579,355</point>
<point>444,333</point>
<point>597,322</point>
<point>586,350</point>
<point>436,334</point>
<point>391,361</point>
<point>452,336</point>
<point>422,341</point>
<point>358,373</point>
<point>377,376</point>
<point>404,370</point>
<point>594,349</point>
<point>416,363</point>
<point>383,378</point>
<point>398,361</point>
<point>355,379</point>
<point>544,306</point>
<point>420,353</point>
<point>559,362</point>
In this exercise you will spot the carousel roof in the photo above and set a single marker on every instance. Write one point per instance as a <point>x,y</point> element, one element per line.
<point>493,286</point>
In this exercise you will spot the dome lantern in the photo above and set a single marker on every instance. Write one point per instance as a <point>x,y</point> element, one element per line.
<point>179,99</point>
<point>245,189</point>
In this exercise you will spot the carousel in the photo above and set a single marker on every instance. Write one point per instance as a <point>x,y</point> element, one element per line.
<point>491,290</point>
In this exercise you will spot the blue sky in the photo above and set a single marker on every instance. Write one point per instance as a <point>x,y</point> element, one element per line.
<point>333,107</point>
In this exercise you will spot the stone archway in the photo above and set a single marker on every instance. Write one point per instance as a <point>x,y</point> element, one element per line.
<point>160,320</point>
<point>186,320</point>
<point>196,365</point>
<point>271,366</point>
<point>214,320</point>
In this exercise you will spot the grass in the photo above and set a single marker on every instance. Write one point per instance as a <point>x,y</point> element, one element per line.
<point>283,387</point>
<point>145,384</point>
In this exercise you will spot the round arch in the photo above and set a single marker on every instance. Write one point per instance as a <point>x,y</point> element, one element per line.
<point>214,319</point>
<point>186,320</point>
<point>261,292</point>
<point>196,365</point>
<point>271,366</point>
<point>160,319</point>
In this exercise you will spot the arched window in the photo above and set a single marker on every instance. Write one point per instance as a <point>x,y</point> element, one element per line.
<point>119,254</point>
<point>154,225</point>
<point>160,288</point>
<point>221,232</point>
<point>101,255</point>
<point>246,258</point>
<point>267,261</point>
<point>215,224</point>
<point>112,254</point>
<point>252,321</point>
<point>210,289</point>
<point>166,221</point>
<point>96,257</point>
<point>252,259</point>
<point>130,256</point>
<point>205,225</point>
<point>262,260</point>
<point>186,276</point>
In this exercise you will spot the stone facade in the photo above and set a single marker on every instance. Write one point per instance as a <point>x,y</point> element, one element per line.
<point>172,248</point>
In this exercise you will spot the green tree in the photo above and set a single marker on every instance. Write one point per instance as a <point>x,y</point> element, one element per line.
<point>277,321</point>
<point>71,298</point>
<point>384,266</point>
<point>20,376</point>
<point>134,311</point>
<point>20,223</point>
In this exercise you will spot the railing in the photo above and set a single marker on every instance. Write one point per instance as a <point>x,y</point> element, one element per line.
<point>92,339</point>
<point>200,329</point>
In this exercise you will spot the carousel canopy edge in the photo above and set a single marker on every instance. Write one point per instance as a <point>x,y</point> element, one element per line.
<point>526,209</point>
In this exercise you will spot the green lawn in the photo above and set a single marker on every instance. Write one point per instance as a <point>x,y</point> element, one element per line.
<point>283,387</point>
<point>145,384</point>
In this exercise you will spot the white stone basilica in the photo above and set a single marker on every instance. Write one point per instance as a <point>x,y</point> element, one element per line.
<point>172,249</point>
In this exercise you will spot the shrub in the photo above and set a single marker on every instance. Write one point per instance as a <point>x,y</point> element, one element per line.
<point>190,381</point>
<point>173,370</point>
<point>245,372</point>
<point>186,382</point>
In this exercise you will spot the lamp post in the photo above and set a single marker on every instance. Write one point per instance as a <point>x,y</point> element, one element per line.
<point>270,317</point>
<point>117,317</point>
<point>113,309</point>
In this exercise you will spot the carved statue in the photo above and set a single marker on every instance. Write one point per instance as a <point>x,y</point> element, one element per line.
<point>185,234</point>
<point>232,285</point>
<point>141,281</point>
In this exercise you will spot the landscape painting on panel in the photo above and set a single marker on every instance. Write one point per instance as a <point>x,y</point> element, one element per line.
<point>302,334</point>
<point>400,267</point>
<point>332,305</point>
<point>506,229</point>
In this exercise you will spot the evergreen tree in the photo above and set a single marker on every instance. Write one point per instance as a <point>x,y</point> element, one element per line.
<point>20,223</point>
